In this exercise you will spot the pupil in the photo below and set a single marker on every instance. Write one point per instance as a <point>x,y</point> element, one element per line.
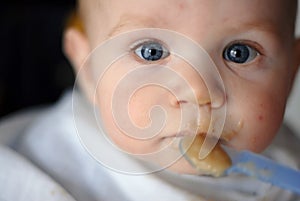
<point>237,53</point>
<point>152,51</point>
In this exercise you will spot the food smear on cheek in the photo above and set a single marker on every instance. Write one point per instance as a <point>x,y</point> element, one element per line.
<point>214,164</point>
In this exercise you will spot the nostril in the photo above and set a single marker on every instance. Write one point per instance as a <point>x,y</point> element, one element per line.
<point>182,102</point>
<point>176,103</point>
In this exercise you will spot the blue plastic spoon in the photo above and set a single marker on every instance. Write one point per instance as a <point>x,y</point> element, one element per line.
<point>259,167</point>
<point>265,169</point>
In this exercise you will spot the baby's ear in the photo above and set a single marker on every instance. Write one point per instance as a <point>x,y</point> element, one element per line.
<point>76,47</point>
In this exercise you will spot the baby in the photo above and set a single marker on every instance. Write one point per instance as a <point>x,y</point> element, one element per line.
<point>251,57</point>
<point>252,45</point>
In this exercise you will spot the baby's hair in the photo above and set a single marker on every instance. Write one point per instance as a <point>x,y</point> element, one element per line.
<point>73,21</point>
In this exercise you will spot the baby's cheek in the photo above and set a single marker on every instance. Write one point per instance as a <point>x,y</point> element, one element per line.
<point>150,103</point>
<point>268,118</point>
<point>261,121</point>
<point>140,105</point>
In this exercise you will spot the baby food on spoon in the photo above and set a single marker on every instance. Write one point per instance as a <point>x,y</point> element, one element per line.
<point>214,164</point>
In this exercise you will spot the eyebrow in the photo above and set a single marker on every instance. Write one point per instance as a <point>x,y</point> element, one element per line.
<point>131,20</point>
<point>265,27</point>
<point>269,29</point>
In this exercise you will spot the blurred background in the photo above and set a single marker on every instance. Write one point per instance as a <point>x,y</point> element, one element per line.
<point>33,69</point>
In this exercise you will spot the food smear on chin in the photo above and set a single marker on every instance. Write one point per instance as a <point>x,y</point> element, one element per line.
<point>214,164</point>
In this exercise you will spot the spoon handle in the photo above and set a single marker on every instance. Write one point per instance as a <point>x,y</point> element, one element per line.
<point>266,170</point>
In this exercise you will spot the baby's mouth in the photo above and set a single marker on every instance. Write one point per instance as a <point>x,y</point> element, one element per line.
<point>216,160</point>
<point>201,141</point>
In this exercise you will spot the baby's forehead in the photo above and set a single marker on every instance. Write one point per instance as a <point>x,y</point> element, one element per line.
<point>268,15</point>
<point>128,20</point>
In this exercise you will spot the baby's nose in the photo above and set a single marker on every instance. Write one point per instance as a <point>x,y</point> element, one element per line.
<point>198,88</point>
<point>195,92</point>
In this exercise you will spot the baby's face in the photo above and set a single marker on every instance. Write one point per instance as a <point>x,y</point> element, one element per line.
<point>250,42</point>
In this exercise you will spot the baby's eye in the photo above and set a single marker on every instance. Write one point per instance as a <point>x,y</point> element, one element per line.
<point>240,53</point>
<point>151,51</point>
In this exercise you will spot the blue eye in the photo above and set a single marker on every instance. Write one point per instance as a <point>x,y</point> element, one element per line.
<point>239,53</point>
<point>151,51</point>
